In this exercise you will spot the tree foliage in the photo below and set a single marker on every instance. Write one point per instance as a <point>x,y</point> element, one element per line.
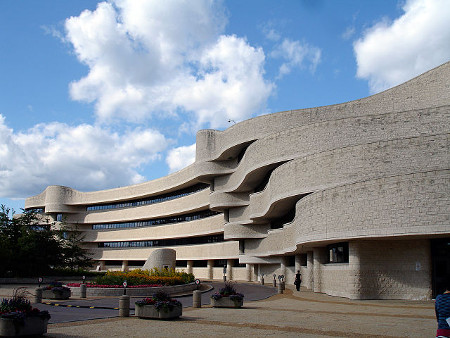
<point>32,246</point>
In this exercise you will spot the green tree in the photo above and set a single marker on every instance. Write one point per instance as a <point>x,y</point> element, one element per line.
<point>74,256</point>
<point>32,246</point>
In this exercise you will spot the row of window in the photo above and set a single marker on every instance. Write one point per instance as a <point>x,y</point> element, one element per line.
<point>218,263</point>
<point>157,221</point>
<point>36,210</point>
<point>164,242</point>
<point>150,200</point>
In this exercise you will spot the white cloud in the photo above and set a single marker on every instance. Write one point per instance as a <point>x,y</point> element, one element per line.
<point>229,84</point>
<point>180,157</point>
<point>165,58</point>
<point>296,55</point>
<point>348,33</point>
<point>390,53</point>
<point>84,157</point>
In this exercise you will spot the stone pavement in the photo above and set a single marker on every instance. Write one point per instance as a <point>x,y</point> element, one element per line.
<point>293,314</point>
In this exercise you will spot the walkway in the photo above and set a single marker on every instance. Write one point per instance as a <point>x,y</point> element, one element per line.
<point>293,314</point>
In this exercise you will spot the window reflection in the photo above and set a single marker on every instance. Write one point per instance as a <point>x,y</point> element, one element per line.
<point>151,200</point>
<point>157,221</point>
<point>164,242</point>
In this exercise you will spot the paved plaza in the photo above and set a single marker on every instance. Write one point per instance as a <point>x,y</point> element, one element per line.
<point>265,313</point>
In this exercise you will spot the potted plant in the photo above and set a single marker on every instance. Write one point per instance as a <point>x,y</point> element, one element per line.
<point>158,306</point>
<point>19,318</point>
<point>56,291</point>
<point>227,297</point>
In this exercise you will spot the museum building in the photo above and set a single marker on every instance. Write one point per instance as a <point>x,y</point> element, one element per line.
<point>354,195</point>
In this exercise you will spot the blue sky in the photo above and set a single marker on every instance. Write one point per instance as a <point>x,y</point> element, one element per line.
<point>96,95</point>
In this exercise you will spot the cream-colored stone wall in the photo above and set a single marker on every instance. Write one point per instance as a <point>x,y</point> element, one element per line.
<point>427,90</point>
<point>372,172</point>
<point>388,207</point>
<point>221,250</point>
<point>397,269</point>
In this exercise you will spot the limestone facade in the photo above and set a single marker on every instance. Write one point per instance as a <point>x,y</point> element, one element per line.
<point>354,195</point>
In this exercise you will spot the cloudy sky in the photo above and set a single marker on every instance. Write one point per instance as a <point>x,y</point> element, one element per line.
<point>101,94</point>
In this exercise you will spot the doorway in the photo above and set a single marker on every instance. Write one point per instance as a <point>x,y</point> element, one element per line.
<point>440,258</point>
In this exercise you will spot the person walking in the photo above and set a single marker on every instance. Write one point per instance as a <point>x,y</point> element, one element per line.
<point>442,307</point>
<point>298,280</point>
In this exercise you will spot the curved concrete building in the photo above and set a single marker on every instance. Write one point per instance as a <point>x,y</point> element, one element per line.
<point>354,195</point>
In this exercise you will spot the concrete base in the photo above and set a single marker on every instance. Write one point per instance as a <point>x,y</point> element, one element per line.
<point>32,326</point>
<point>50,294</point>
<point>227,302</point>
<point>149,311</point>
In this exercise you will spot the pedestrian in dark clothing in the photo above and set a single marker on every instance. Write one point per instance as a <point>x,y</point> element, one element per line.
<point>442,307</point>
<point>298,280</point>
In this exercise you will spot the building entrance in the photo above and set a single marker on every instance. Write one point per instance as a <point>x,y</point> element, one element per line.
<point>440,255</point>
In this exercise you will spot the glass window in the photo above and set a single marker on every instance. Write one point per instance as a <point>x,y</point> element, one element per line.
<point>151,200</point>
<point>338,253</point>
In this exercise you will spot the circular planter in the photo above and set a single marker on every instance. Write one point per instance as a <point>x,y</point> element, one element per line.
<point>149,311</point>
<point>33,325</point>
<point>227,302</point>
<point>51,294</point>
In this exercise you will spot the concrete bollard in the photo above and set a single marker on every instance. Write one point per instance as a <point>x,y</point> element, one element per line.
<point>124,306</point>
<point>197,298</point>
<point>280,288</point>
<point>83,290</point>
<point>38,296</point>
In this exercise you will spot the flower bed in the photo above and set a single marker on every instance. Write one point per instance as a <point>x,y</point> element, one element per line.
<point>145,277</point>
<point>227,297</point>
<point>159,306</point>
<point>19,318</point>
<point>90,285</point>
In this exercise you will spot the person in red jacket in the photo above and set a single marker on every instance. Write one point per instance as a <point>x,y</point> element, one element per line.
<point>442,307</point>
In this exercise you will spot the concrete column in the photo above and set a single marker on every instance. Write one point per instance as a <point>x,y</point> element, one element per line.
<point>38,296</point>
<point>83,291</point>
<point>248,270</point>
<point>283,266</point>
<point>298,263</point>
<point>189,266</point>
<point>309,280</point>
<point>356,290</point>
<point>280,288</point>
<point>210,266</point>
<point>229,269</point>
<point>124,306</point>
<point>125,266</point>
<point>197,298</point>
<point>319,259</point>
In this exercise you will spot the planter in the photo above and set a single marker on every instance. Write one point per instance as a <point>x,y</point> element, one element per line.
<point>227,302</point>
<point>149,311</point>
<point>33,325</point>
<point>51,294</point>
